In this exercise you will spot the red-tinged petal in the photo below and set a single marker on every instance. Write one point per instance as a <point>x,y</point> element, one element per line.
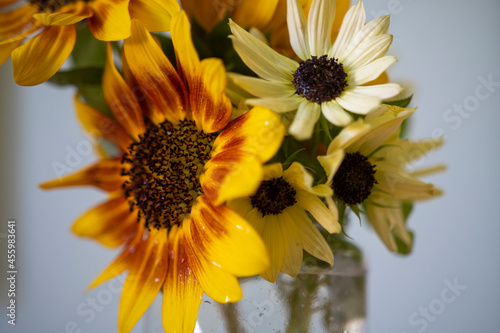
<point>144,280</point>
<point>21,36</point>
<point>185,53</point>
<point>231,174</point>
<point>155,14</point>
<point>156,75</point>
<point>15,21</point>
<point>215,281</point>
<point>104,174</point>
<point>182,293</point>
<point>121,100</point>
<point>258,131</point>
<point>227,239</point>
<point>69,14</point>
<point>111,19</point>
<point>111,223</point>
<point>101,126</point>
<point>210,106</point>
<point>41,57</point>
<point>5,3</point>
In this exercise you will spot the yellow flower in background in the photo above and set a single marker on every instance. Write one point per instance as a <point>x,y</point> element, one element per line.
<point>173,177</point>
<point>278,212</point>
<point>329,78</point>
<point>366,164</point>
<point>247,13</point>
<point>49,26</point>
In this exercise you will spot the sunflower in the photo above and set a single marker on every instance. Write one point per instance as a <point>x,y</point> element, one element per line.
<point>167,191</point>
<point>366,164</point>
<point>328,78</point>
<point>278,212</point>
<point>55,21</point>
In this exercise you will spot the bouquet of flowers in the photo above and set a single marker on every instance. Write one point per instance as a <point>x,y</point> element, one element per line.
<point>223,157</point>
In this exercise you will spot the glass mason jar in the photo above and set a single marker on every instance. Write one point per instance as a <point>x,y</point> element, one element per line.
<point>320,299</point>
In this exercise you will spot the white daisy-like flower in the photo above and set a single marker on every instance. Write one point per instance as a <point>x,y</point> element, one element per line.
<point>330,76</point>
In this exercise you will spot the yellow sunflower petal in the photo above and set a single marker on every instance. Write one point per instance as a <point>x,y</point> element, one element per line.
<point>255,13</point>
<point>104,174</point>
<point>258,131</point>
<point>120,98</point>
<point>273,237</point>
<point>182,294</point>
<point>144,281</point>
<point>111,223</point>
<point>185,53</point>
<point>227,239</point>
<point>69,14</point>
<point>101,126</point>
<point>41,57</point>
<point>331,163</point>
<point>318,210</point>
<point>111,19</point>
<point>207,12</point>
<point>15,21</point>
<point>5,3</point>
<point>348,136</point>
<point>294,247</point>
<point>6,50</point>
<point>217,283</point>
<point>155,74</point>
<point>231,174</point>
<point>155,14</point>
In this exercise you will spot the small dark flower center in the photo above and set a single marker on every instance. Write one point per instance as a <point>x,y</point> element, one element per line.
<point>163,170</point>
<point>354,179</point>
<point>52,5</point>
<point>320,79</point>
<point>273,196</point>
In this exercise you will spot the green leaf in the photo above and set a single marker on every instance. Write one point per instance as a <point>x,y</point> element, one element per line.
<point>94,97</point>
<point>290,158</point>
<point>401,102</point>
<point>407,207</point>
<point>324,125</point>
<point>168,47</point>
<point>78,76</point>
<point>88,51</point>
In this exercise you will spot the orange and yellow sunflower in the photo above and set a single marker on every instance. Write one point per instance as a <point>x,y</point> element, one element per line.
<point>167,192</point>
<point>50,29</point>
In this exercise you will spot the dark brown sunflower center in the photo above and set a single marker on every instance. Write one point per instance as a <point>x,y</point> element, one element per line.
<point>164,168</point>
<point>320,79</point>
<point>354,179</point>
<point>53,5</point>
<point>273,196</point>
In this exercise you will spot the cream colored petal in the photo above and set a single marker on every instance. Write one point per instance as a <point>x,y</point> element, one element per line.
<point>371,71</point>
<point>382,225</point>
<point>263,88</point>
<point>397,182</point>
<point>352,23</point>
<point>311,203</point>
<point>307,115</point>
<point>373,28</point>
<point>357,103</point>
<point>319,26</point>
<point>263,60</point>
<point>349,135</point>
<point>331,163</point>
<point>369,50</point>
<point>383,91</point>
<point>313,241</point>
<point>298,177</point>
<point>279,105</point>
<point>298,29</point>
<point>335,114</point>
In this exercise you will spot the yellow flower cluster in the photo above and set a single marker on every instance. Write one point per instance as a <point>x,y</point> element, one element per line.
<point>203,190</point>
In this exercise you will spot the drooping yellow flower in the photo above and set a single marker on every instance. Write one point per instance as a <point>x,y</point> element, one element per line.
<point>248,13</point>
<point>366,164</point>
<point>278,212</point>
<point>329,78</point>
<point>173,178</point>
<point>50,28</point>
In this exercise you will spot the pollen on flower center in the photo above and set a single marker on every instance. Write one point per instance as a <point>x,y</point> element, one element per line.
<point>354,179</point>
<point>164,168</point>
<point>273,196</point>
<point>52,5</point>
<point>320,79</point>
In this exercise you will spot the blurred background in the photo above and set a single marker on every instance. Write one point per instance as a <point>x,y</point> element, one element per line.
<point>449,54</point>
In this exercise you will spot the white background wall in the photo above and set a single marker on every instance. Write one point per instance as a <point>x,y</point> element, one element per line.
<point>445,49</point>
